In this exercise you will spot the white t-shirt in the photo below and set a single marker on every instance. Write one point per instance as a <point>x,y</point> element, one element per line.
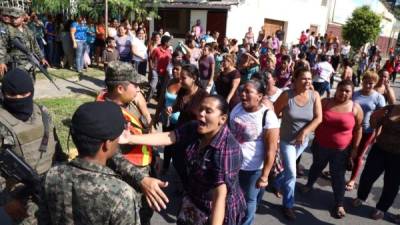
<point>112,32</point>
<point>345,49</point>
<point>324,71</point>
<point>141,48</point>
<point>247,128</point>
<point>275,96</point>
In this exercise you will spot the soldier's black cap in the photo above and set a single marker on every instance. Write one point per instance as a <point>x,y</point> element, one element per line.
<point>98,120</point>
<point>17,81</point>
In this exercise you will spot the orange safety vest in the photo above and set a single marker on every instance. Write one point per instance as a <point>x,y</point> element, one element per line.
<point>139,155</point>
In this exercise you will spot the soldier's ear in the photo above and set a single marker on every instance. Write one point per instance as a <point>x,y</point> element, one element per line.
<point>106,146</point>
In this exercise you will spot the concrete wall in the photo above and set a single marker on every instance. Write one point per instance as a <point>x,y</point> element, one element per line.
<point>298,15</point>
<point>390,27</point>
<point>388,21</point>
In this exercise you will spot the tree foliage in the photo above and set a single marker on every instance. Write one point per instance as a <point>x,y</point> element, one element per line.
<point>95,8</point>
<point>362,27</point>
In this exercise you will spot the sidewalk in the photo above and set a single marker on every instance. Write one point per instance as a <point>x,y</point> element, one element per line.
<point>68,87</point>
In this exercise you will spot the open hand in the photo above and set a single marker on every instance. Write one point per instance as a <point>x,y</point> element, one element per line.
<point>300,138</point>
<point>45,63</point>
<point>155,197</point>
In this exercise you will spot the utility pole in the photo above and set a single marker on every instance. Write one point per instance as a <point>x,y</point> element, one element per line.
<point>106,16</point>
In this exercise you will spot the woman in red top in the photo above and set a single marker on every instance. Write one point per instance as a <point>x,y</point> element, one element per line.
<point>336,137</point>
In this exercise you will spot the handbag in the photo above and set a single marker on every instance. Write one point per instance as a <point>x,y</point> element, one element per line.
<point>190,214</point>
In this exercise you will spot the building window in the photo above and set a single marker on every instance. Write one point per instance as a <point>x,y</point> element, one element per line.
<point>175,21</point>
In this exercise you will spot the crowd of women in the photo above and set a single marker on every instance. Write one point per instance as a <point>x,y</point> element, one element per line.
<point>237,118</point>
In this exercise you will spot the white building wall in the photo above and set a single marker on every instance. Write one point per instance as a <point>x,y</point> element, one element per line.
<point>344,8</point>
<point>298,15</point>
<point>389,24</point>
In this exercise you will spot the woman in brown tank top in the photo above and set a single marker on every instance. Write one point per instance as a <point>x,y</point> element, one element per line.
<point>384,157</point>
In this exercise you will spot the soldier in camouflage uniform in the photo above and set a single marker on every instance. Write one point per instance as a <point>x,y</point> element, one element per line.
<point>27,129</point>
<point>86,191</point>
<point>4,23</point>
<point>122,83</point>
<point>10,57</point>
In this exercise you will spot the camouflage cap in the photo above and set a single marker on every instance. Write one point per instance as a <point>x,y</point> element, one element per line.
<point>12,11</point>
<point>122,71</point>
<point>14,8</point>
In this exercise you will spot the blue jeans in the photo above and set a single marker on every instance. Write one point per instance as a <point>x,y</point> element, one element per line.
<point>248,180</point>
<point>287,179</point>
<point>79,53</point>
<point>321,87</point>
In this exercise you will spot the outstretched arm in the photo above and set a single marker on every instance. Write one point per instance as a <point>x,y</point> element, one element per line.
<point>155,139</point>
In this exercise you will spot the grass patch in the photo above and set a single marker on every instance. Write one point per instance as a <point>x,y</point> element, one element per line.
<point>61,110</point>
<point>65,73</point>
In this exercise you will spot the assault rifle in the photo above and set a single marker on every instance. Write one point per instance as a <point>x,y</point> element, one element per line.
<point>33,58</point>
<point>14,167</point>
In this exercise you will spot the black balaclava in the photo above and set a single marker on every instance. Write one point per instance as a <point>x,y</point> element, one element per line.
<point>17,81</point>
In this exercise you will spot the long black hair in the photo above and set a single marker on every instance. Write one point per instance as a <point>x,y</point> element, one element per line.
<point>193,72</point>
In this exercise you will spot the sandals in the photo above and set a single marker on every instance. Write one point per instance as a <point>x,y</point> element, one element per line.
<point>377,214</point>
<point>326,175</point>
<point>339,212</point>
<point>300,171</point>
<point>278,193</point>
<point>289,213</point>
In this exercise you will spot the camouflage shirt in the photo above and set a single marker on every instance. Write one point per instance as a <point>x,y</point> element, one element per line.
<point>82,192</point>
<point>9,54</point>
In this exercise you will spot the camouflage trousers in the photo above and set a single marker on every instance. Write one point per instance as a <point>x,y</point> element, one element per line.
<point>145,212</point>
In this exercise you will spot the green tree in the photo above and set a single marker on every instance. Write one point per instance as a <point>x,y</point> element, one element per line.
<point>362,27</point>
<point>95,8</point>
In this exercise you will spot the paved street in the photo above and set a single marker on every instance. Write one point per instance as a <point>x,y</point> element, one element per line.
<point>311,209</point>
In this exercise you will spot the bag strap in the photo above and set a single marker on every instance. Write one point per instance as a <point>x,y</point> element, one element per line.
<point>263,118</point>
<point>46,125</point>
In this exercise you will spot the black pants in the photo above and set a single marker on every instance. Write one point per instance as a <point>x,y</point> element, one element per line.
<point>168,150</point>
<point>142,67</point>
<point>379,162</point>
<point>178,160</point>
<point>394,74</point>
<point>337,166</point>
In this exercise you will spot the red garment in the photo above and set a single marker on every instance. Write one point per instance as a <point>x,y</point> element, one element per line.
<point>303,39</point>
<point>389,66</point>
<point>366,140</point>
<point>336,130</point>
<point>162,58</point>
